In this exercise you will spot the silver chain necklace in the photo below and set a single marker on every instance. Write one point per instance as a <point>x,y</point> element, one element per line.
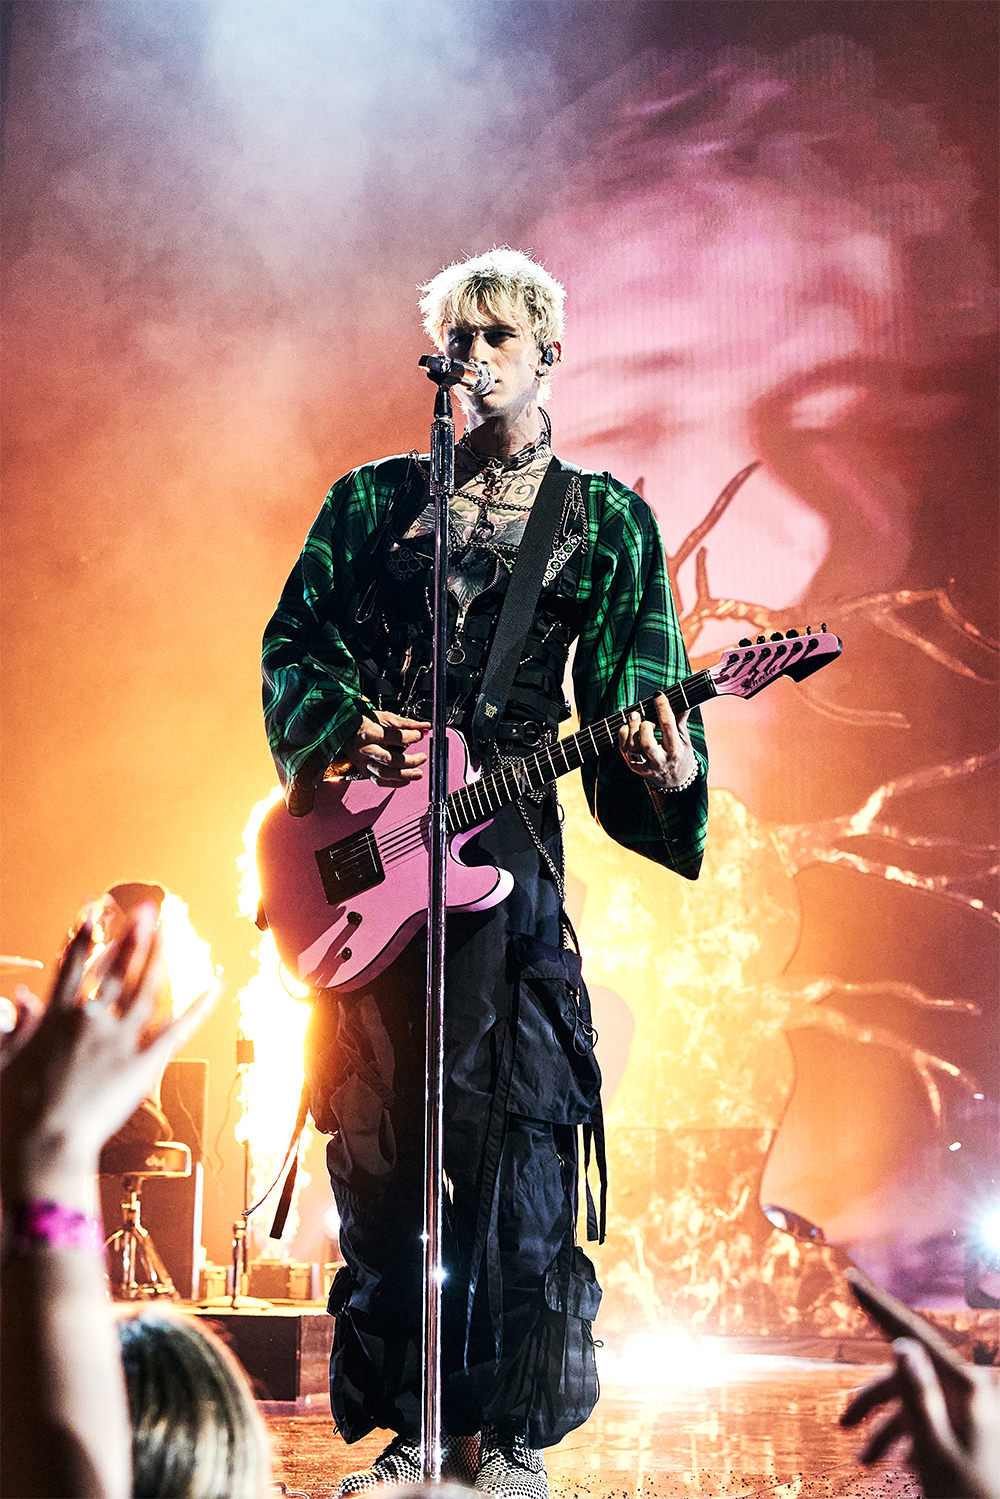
<point>493,472</point>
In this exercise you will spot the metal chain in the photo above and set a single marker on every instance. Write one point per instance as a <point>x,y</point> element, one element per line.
<point>558,875</point>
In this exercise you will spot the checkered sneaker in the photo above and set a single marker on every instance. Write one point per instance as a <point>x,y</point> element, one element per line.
<point>508,1467</point>
<point>400,1464</point>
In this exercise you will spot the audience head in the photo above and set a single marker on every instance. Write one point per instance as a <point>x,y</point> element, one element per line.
<point>121,899</point>
<point>196,1432</point>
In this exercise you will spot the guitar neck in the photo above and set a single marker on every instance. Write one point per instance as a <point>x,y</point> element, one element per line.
<point>482,799</point>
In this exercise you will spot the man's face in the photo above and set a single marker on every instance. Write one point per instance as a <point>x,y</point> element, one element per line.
<point>509,352</point>
<point>112,921</point>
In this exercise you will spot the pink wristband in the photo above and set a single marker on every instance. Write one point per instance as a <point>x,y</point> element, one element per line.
<point>42,1224</point>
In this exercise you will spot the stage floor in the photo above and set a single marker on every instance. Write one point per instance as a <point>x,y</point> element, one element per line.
<point>746,1426</point>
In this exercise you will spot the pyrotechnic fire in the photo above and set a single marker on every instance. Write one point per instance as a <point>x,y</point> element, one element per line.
<point>273,1016</point>
<point>188,956</point>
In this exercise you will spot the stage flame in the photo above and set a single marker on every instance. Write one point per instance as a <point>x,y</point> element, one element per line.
<point>188,956</point>
<point>273,1016</point>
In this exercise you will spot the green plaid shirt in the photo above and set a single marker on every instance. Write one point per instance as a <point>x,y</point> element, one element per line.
<point>629,647</point>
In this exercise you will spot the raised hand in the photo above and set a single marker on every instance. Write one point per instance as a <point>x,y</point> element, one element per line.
<point>945,1412</point>
<point>73,1074</point>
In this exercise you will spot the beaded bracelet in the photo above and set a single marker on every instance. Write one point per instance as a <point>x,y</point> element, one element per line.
<point>685,783</point>
<point>43,1224</point>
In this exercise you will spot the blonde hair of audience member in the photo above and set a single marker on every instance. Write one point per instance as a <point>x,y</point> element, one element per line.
<point>196,1432</point>
<point>503,284</point>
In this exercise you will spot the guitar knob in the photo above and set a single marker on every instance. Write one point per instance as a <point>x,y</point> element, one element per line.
<point>354,918</point>
<point>346,954</point>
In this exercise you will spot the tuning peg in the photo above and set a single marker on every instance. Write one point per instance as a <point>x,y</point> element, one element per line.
<point>778,636</point>
<point>823,627</point>
<point>761,639</point>
<point>809,629</point>
<point>791,634</point>
<point>746,640</point>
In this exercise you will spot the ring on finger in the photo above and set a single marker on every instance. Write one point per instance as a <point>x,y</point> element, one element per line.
<point>636,758</point>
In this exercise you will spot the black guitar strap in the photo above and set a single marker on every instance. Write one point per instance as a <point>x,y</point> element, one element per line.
<point>518,607</point>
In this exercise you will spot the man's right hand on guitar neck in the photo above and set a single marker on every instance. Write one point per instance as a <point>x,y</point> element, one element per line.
<point>379,749</point>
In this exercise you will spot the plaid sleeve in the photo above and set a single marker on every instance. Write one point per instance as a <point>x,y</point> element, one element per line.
<point>312,696</point>
<point>631,646</point>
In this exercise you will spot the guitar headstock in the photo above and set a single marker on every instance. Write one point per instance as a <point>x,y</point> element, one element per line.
<point>749,667</point>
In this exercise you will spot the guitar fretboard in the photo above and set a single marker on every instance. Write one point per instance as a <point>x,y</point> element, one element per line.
<point>475,803</point>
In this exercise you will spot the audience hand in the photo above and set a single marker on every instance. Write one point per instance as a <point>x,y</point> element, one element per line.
<point>946,1411</point>
<point>73,1073</point>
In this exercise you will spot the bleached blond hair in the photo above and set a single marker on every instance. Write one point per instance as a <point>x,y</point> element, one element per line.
<point>504,284</point>
<point>196,1430</point>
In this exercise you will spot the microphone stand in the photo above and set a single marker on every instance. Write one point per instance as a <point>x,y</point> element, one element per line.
<point>442,487</point>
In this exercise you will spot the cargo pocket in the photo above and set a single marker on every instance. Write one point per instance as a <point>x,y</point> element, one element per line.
<point>553,1387</point>
<point>568,1393</point>
<point>555,1073</point>
<point>350,1070</point>
<point>354,1382</point>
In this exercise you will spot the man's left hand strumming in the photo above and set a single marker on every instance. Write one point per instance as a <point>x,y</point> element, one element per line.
<point>665,764</point>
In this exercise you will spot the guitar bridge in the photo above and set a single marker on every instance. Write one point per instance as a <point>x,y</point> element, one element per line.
<point>350,867</point>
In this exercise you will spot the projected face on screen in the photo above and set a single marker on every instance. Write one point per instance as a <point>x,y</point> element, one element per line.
<point>764,262</point>
<point>752,260</point>
<point>685,329</point>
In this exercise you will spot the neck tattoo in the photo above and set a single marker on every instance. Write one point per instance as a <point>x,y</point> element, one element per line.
<point>494,473</point>
<point>494,467</point>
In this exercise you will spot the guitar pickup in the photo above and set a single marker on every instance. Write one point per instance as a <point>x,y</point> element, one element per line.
<point>350,867</point>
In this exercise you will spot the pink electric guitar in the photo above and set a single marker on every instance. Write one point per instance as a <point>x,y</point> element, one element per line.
<point>345,888</point>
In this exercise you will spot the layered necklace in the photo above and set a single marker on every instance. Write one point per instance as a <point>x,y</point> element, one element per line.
<point>493,475</point>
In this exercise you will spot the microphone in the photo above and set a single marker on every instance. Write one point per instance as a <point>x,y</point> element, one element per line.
<point>470,375</point>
